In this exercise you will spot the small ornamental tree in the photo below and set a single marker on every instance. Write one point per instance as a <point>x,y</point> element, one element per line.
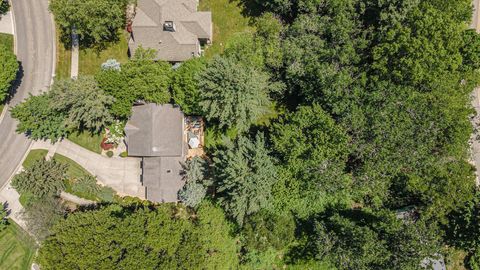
<point>233,94</point>
<point>42,180</point>
<point>196,176</point>
<point>8,70</point>
<point>244,176</point>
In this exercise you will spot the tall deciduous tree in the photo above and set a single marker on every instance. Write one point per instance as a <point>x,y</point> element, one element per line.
<point>233,94</point>
<point>8,70</point>
<point>95,21</point>
<point>147,78</point>
<point>42,180</point>
<point>186,92</point>
<point>313,150</point>
<point>37,119</point>
<point>133,237</point>
<point>244,176</point>
<point>85,105</point>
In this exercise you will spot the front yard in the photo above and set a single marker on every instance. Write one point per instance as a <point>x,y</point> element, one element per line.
<point>17,249</point>
<point>87,140</point>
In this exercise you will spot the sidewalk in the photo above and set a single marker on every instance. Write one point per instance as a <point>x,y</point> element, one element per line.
<point>121,174</point>
<point>6,23</point>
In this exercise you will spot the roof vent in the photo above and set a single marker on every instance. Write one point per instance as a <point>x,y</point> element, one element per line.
<point>169,26</point>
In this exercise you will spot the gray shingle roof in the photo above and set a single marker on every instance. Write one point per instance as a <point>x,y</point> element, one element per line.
<point>175,46</point>
<point>162,178</point>
<point>155,132</point>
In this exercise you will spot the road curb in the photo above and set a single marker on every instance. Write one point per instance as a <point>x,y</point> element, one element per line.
<point>14,27</point>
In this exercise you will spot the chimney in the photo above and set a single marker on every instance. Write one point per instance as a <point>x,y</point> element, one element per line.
<point>169,26</point>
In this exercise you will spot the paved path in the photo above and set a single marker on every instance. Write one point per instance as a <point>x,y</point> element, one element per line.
<point>35,49</point>
<point>75,199</point>
<point>75,56</point>
<point>6,24</point>
<point>121,174</point>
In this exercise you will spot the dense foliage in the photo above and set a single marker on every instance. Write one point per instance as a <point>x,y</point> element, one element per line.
<point>141,78</point>
<point>244,176</point>
<point>138,237</point>
<point>8,70</point>
<point>70,105</point>
<point>346,128</point>
<point>43,179</point>
<point>95,21</point>
<point>196,176</point>
<point>234,95</point>
<point>185,89</point>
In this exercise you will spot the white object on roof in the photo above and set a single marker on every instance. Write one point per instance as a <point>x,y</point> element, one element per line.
<point>194,142</point>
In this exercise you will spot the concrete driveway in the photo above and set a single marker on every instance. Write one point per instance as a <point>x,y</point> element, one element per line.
<point>121,174</point>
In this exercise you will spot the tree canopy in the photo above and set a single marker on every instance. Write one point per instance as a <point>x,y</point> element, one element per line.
<point>136,237</point>
<point>42,180</point>
<point>96,22</point>
<point>233,95</point>
<point>8,70</point>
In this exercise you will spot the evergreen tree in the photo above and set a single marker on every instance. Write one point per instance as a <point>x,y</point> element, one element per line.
<point>244,176</point>
<point>233,94</point>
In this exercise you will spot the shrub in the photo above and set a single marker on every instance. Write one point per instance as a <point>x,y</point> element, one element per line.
<point>110,154</point>
<point>124,154</point>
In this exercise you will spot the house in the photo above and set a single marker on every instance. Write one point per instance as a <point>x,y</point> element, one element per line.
<point>156,134</point>
<point>174,28</point>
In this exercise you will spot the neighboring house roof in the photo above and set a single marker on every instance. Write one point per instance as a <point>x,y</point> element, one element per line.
<point>174,46</point>
<point>156,133</point>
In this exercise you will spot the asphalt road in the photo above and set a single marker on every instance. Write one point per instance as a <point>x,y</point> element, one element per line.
<point>35,49</point>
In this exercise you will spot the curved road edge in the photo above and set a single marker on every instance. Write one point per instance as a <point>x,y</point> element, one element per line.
<point>35,46</point>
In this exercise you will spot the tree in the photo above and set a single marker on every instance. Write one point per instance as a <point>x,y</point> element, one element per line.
<point>132,237</point>
<point>8,70</point>
<point>244,176</point>
<point>85,105</point>
<point>360,239</point>
<point>38,120</point>
<point>3,217</point>
<point>42,180</point>
<point>197,179</point>
<point>313,150</point>
<point>114,83</point>
<point>233,95</point>
<point>147,78</point>
<point>186,92</point>
<point>42,215</point>
<point>95,21</point>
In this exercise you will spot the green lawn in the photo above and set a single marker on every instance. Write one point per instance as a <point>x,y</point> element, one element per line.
<point>87,140</point>
<point>17,249</point>
<point>91,59</point>
<point>74,169</point>
<point>6,40</point>
<point>227,20</point>
<point>64,59</point>
<point>33,156</point>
